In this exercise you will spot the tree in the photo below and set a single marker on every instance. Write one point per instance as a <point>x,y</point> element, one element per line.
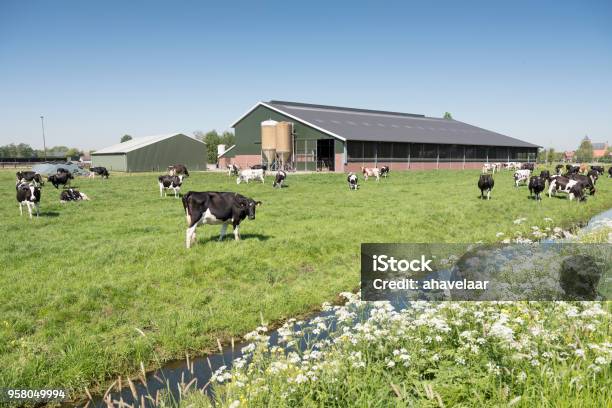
<point>447,115</point>
<point>212,140</point>
<point>585,151</point>
<point>125,138</point>
<point>550,158</point>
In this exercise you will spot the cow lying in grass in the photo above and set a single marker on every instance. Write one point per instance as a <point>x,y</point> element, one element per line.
<point>216,208</point>
<point>28,194</point>
<point>60,178</point>
<point>72,195</point>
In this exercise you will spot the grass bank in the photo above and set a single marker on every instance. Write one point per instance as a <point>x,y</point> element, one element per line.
<point>91,289</point>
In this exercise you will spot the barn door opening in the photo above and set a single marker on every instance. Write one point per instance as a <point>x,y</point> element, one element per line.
<point>325,155</point>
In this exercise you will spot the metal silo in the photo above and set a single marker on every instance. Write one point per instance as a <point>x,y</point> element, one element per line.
<point>268,139</point>
<point>284,141</point>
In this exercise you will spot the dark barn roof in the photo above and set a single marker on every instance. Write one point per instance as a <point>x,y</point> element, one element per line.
<point>383,126</point>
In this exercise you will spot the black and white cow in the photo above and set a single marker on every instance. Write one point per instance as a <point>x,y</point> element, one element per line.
<point>384,171</point>
<point>528,166</point>
<point>279,179</point>
<point>610,172</point>
<point>545,174</point>
<point>598,169</point>
<point>566,185</point>
<point>485,183</point>
<point>233,169</point>
<point>586,181</point>
<point>28,194</point>
<point>177,169</point>
<point>571,169</point>
<point>353,182</point>
<point>29,177</point>
<point>72,195</point>
<point>100,171</point>
<point>170,183</point>
<point>62,178</point>
<point>521,176</point>
<point>216,208</point>
<point>558,169</point>
<point>537,184</point>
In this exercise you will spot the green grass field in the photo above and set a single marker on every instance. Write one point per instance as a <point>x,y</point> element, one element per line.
<point>91,289</point>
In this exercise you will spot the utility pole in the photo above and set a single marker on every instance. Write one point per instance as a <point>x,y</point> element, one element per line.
<point>42,123</point>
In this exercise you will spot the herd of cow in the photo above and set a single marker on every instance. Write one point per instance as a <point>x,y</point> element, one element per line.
<point>29,184</point>
<point>226,208</point>
<point>574,181</point>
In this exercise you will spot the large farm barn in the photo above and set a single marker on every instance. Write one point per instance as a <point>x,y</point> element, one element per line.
<point>320,137</point>
<point>152,153</point>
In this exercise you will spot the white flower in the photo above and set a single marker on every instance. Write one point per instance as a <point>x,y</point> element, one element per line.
<point>235,404</point>
<point>391,363</point>
<point>579,352</point>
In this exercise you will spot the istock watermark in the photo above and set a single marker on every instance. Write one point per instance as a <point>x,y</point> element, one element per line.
<point>546,271</point>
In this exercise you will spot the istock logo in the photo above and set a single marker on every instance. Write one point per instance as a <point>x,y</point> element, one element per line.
<point>384,263</point>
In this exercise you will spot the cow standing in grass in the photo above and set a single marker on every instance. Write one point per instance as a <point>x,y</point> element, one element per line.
<point>233,170</point>
<point>28,194</point>
<point>170,183</point>
<point>280,177</point>
<point>521,176</point>
<point>352,181</point>
<point>370,172</point>
<point>177,169</point>
<point>384,171</point>
<point>100,171</point>
<point>537,184</point>
<point>486,183</point>
<point>216,208</point>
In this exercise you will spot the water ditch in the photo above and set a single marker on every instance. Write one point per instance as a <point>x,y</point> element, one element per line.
<point>176,377</point>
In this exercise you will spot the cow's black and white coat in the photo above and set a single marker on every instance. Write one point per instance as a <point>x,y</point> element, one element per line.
<point>486,183</point>
<point>100,171</point>
<point>29,177</point>
<point>281,175</point>
<point>170,183</point>
<point>353,181</point>
<point>233,169</point>
<point>72,195</point>
<point>61,178</point>
<point>28,194</point>
<point>521,176</point>
<point>572,186</point>
<point>216,208</point>
<point>384,171</point>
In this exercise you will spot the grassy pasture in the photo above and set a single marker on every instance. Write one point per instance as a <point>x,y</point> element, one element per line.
<point>81,285</point>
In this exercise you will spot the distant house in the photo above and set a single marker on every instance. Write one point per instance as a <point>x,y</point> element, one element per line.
<point>599,149</point>
<point>568,155</point>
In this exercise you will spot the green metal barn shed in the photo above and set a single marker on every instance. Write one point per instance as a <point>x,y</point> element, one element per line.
<point>152,153</point>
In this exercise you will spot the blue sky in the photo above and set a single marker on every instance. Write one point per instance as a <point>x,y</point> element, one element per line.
<point>99,69</point>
